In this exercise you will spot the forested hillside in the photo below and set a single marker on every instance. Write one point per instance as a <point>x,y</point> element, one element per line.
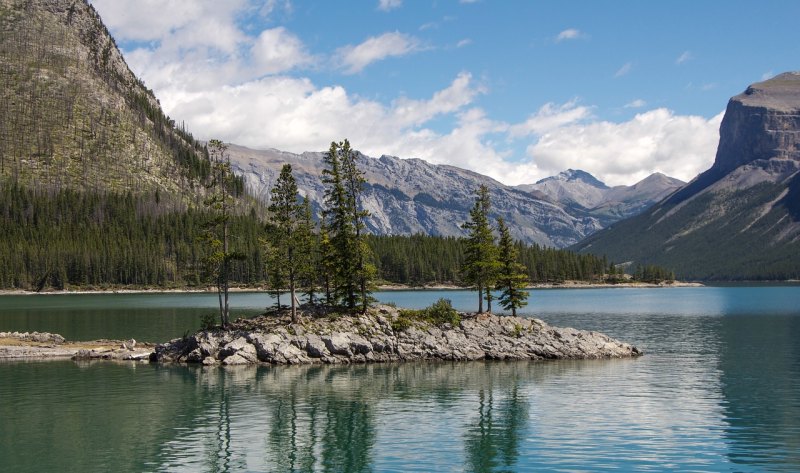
<point>71,239</point>
<point>73,114</point>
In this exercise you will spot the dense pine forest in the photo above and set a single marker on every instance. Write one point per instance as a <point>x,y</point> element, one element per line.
<point>78,239</point>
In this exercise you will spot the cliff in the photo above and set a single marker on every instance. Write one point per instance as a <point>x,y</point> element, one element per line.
<point>740,219</point>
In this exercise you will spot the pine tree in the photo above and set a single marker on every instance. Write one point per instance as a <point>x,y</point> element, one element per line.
<point>308,251</point>
<point>216,232</point>
<point>480,258</point>
<point>353,272</point>
<point>286,216</point>
<point>511,278</point>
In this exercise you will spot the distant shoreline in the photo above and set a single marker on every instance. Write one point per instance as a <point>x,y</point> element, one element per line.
<point>385,287</point>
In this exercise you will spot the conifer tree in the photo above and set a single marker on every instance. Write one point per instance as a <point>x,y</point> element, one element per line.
<point>480,253</point>
<point>353,272</point>
<point>511,278</point>
<point>307,245</point>
<point>286,216</point>
<point>216,232</point>
<point>326,262</point>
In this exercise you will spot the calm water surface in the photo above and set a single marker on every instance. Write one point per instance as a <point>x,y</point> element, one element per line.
<point>718,390</point>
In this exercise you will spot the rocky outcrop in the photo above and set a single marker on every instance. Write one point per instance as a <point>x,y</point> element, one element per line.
<point>762,123</point>
<point>44,345</point>
<point>378,337</point>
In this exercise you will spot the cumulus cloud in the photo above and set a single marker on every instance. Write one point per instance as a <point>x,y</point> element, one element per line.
<point>277,50</point>
<point>657,140</point>
<point>387,5</point>
<point>550,117</point>
<point>376,48</point>
<point>570,33</point>
<point>246,86</point>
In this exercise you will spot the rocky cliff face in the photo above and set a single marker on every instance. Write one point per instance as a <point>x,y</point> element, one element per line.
<point>741,218</point>
<point>762,123</point>
<point>407,196</point>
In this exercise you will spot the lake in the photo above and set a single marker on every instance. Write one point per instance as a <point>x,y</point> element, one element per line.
<point>717,390</point>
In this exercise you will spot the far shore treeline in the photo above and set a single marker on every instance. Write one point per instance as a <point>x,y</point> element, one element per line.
<point>71,239</point>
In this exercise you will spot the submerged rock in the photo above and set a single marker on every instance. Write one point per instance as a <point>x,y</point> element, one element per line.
<point>376,337</point>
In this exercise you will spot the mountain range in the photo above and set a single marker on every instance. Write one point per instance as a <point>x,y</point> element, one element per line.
<point>75,117</point>
<point>740,219</point>
<point>407,196</point>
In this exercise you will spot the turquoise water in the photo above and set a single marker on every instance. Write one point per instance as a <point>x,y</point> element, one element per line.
<point>718,390</point>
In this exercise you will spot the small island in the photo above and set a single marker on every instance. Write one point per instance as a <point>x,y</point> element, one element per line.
<point>383,334</point>
<point>388,334</point>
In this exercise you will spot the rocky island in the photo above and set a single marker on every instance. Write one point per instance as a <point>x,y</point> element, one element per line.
<point>387,334</point>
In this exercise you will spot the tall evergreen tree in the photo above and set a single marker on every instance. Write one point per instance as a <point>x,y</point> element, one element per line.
<point>216,232</point>
<point>480,254</point>
<point>287,216</point>
<point>307,244</point>
<point>512,277</point>
<point>353,273</point>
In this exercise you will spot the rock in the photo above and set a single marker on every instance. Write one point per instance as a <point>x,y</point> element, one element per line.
<point>315,347</point>
<point>338,344</point>
<point>362,339</point>
<point>241,348</point>
<point>265,344</point>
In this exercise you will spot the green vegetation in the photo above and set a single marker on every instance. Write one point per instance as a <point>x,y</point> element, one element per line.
<point>439,313</point>
<point>216,231</point>
<point>352,271</point>
<point>480,261</point>
<point>66,238</point>
<point>702,242</point>
<point>511,278</point>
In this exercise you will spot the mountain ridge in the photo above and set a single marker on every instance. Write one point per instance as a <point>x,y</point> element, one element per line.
<point>411,195</point>
<point>740,219</point>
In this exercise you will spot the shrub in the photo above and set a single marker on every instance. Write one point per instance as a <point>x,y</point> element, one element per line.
<point>208,322</point>
<point>438,313</point>
<point>441,312</point>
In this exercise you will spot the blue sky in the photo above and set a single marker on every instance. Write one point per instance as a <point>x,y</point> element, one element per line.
<point>518,90</point>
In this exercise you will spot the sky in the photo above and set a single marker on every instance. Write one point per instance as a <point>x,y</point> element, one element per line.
<point>517,90</point>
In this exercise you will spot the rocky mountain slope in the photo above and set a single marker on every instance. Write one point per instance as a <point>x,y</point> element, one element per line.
<point>75,116</point>
<point>741,218</point>
<point>576,188</point>
<point>406,196</point>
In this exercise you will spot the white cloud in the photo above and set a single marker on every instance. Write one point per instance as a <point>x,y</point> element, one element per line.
<point>464,42</point>
<point>277,50</point>
<point>619,153</point>
<point>234,85</point>
<point>550,117</point>
<point>767,75</point>
<point>624,70</point>
<point>376,48</point>
<point>638,103</point>
<point>570,33</point>
<point>387,5</point>
<point>685,56</point>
